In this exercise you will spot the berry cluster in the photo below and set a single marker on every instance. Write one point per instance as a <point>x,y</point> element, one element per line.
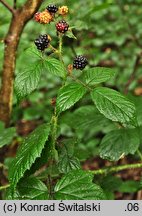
<point>52,8</point>
<point>48,14</point>
<point>42,42</point>
<point>80,62</point>
<point>62,26</point>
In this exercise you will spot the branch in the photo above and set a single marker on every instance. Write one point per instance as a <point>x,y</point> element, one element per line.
<point>8,6</point>
<point>115,169</point>
<point>18,22</point>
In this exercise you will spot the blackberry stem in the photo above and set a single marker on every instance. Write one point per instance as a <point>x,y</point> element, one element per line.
<point>60,47</point>
<point>60,52</point>
<point>114,169</point>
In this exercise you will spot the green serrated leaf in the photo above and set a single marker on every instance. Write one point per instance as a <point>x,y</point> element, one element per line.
<point>69,95</point>
<point>119,143</point>
<point>86,117</point>
<point>40,161</point>
<point>29,189</point>
<point>55,67</point>
<point>28,80</point>
<point>6,135</point>
<point>98,75</point>
<point>68,163</point>
<point>33,53</point>
<point>30,149</point>
<point>67,160</point>
<point>114,105</point>
<point>77,185</point>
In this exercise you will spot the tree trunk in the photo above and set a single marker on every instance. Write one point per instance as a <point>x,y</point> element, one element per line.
<point>19,19</point>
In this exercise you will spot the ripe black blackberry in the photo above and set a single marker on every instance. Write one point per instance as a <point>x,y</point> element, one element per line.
<point>52,8</point>
<point>42,42</point>
<point>80,62</point>
<point>62,26</point>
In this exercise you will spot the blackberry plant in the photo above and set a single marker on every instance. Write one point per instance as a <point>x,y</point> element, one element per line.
<point>80,114</point>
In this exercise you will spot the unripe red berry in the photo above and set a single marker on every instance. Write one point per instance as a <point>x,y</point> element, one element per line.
<point>62,26</point>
